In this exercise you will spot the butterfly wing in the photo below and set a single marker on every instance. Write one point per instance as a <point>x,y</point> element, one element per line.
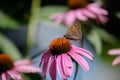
<point>74,32</point>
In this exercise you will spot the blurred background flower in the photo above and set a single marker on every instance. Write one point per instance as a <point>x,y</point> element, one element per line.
<point>115,52</point>
<point>11,69</point>
<point>81,13</point>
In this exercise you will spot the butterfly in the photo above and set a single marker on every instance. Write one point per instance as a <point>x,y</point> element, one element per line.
<point>74,32</point>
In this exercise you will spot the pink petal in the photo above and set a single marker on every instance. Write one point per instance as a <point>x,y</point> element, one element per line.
<point>64,66</point>
<point>45,55</point>
<point>54,16</point>
<point>116,61</point>
<point>102,19</point>
<point>103,11</point>
<point>27,69</point>
<point>69,18</point>
<point>79,15</point>
<point>22,62</point>
<point>15,75</point>
<point>82,51</point>
<point>114,52</point>
<point>79,59</point>
<point>44,61</point>
<point>52,69</point>
<point>88,13</point>
<point>59,68</point>
<point>98,11</point>
<point>45,66</point>
<point>95,4</point>
<point>4,76</point>
<point>58,17</point>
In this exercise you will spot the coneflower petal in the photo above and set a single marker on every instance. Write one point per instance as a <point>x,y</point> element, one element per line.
<point>27,69</point>
<point>4,76</point>
<point>45,66</point>
<point>116,61</point>
<point>80,60</point>
<point>67,65</point>
<point>15,75</point>
<point>69,18</point>
<point>88,13</point>
<point>52,69</point>
<point>45,56</point>
<point>114,52</point>
<point>79,15</point>
<point>82,51</point>
<point>64,66</point>
<point>22,62</point>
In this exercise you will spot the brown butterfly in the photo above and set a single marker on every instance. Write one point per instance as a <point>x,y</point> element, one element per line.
<point>74,32</point>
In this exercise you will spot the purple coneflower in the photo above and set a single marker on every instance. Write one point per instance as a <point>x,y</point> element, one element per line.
<point>92,11</point>
<point>59,57</point>
<point>115,52</point>
<point>10,68</point>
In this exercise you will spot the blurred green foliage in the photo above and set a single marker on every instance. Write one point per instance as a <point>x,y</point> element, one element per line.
<point>8,47</point>
<point>46,11</point>
<point>7,21</point>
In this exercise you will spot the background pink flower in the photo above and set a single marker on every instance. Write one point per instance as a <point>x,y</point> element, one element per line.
<point>115,52</point>
<point>10,68</point>
<point>92,11</point>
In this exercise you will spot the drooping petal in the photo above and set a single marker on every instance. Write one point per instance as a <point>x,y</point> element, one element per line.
<point>64,66</point>
<point>15,75</point>
<point>58,17</point>
<point>69,18</point>
<point>4,76</point>
<point>46,54</point>
<point>95,4</point>
<point>102,19</point>
<point>54,16</point>
<point>45,66</point>
<point>98,11</point>
<point>22,62</point>
<point>59,68</point>
<point>27,69</point>
<point>114,52</point>
<point>88,14</point>
<point>80,60</point>
<point>52,69</point>
<point>67,65</point>
<point>116,61</point>
<point>79,15</point>
<point>82,51</point>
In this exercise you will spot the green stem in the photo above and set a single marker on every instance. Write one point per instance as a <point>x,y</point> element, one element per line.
<point>32,25</point>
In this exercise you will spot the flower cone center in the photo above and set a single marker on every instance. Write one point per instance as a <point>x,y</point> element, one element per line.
<point>59,45</point>
<point>6,63</point>
<point>77,3</point>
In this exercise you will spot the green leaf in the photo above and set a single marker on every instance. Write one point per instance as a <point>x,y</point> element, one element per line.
<point>95,39</point>
<point>46,11</point>
<point>105,36</point>
<point>8,47</point>
<point>118,14</point>
<point>26,77</point>
<point>7,22</point>
<point>34,76</point>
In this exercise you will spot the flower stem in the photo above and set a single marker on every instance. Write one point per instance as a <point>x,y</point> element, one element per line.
<point>32,25</point>
<point>76,71</point>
